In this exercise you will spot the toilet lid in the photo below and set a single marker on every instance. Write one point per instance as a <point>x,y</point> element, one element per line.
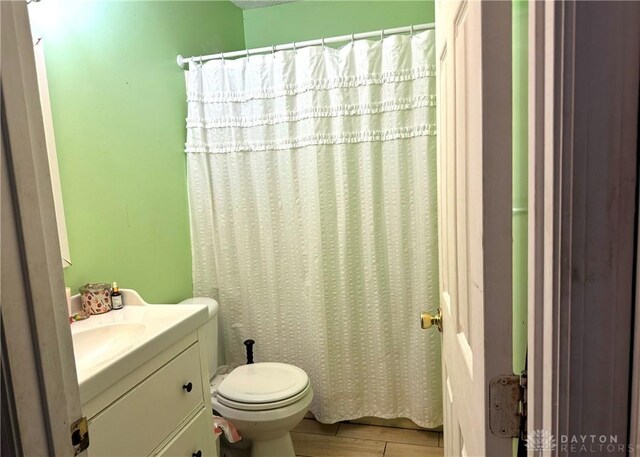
<point>266,382</point>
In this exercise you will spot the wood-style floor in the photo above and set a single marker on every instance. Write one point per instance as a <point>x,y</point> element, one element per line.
<point>313,439</point>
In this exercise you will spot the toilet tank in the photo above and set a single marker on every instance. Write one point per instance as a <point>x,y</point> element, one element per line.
<point>210,329</point>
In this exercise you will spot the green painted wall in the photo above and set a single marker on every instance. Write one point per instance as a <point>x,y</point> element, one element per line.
<point>311,19</point>
<point>119,107</point>
<point>520,181</point>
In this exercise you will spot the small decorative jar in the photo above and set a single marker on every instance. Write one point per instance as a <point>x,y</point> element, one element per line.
<point>96,298</point>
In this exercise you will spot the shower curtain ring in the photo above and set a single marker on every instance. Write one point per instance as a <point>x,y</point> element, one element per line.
<point>353,38</point>
<point>322,41</point>
<point>382,34</point>
<point>295,49</point>
<point>273,51</point>
<point>222,57</point>
<point>247,54</point>
<point>411,28</point>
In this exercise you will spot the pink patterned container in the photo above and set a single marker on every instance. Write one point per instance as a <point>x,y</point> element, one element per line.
<point>96,298</point>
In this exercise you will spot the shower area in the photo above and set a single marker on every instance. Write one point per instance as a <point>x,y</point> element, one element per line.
<point>311,170</point>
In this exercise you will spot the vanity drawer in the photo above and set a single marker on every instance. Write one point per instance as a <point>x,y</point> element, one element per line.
<point>140,420</point>
<point>196,436</point>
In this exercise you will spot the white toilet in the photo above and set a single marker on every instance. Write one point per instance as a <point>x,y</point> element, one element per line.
<point>264,401</point>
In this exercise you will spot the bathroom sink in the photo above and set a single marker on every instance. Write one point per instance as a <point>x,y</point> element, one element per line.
<point>100,344</point>
<point>109,346</point>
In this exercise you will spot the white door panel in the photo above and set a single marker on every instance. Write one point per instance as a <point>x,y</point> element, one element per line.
<point>474,182</point>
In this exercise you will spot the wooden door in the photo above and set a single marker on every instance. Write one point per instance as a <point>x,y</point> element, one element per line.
<point>474,192</point>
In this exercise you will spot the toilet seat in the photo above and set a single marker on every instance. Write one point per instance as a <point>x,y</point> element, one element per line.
<point>263,406</point>
<point>263,386</point>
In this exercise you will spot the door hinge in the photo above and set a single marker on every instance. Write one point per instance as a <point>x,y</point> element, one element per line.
<point>508,405</point>
<point>80,435</point>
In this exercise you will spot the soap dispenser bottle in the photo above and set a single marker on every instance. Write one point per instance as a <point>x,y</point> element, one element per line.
<point>116,297</point>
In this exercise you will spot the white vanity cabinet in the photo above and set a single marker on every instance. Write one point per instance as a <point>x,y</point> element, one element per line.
<point>162,408</point>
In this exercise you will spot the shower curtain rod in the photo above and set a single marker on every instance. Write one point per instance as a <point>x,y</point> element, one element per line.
<point>182,61</point>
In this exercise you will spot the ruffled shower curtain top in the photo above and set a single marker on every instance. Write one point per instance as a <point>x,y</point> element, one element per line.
<point>312,193</point>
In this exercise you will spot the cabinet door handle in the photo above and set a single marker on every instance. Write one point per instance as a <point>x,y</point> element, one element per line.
<point>188,387</point>
<point>197,454</point>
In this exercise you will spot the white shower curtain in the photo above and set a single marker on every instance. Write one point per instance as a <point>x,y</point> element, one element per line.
<point>312,192</point>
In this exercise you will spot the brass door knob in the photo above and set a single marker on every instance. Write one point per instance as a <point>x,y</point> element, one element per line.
<point>427,320</point>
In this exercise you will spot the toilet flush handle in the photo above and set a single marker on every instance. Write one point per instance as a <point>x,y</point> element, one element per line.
<point>188,386</point>
<point>197,454</point>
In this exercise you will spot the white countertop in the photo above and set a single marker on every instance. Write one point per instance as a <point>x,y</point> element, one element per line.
<point>109,346</point>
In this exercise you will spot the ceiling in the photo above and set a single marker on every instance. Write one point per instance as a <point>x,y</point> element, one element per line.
<point>248,4</point>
